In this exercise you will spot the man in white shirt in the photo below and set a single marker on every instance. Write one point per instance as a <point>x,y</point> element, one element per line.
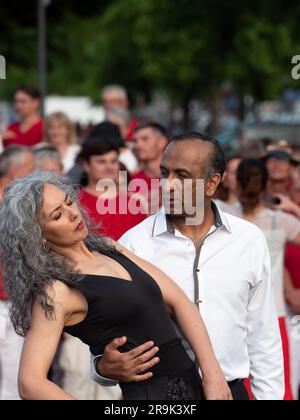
<point>223,265</point>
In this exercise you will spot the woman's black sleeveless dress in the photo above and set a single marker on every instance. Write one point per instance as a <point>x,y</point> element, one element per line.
<point>136,309</point>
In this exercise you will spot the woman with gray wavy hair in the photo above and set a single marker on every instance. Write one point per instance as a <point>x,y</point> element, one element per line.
<point>60,276</point>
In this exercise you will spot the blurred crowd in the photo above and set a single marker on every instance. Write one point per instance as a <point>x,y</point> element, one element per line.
<point>263,189</point>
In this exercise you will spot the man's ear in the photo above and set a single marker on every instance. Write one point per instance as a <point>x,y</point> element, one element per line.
<point>213,184</point>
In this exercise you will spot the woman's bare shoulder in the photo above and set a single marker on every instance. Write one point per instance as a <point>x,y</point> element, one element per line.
<point>59,292</point>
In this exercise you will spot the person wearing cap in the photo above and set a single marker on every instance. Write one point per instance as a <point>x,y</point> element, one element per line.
<point>280,165</point>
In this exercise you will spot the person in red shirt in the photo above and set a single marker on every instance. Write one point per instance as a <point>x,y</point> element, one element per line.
<point>29,131</point>
<point>100,160</point>
<point>15,162</point>
<point>151,141</point>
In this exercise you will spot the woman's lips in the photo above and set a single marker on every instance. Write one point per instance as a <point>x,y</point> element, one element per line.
<point>80,226</point>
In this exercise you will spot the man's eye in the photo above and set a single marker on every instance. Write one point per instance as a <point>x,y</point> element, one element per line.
<point>183,176</point>
<point>70,203</point>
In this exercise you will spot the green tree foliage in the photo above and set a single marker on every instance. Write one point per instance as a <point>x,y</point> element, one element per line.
<point>186,48</point>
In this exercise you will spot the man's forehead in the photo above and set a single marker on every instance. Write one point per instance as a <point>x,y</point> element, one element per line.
<point>189,152</point>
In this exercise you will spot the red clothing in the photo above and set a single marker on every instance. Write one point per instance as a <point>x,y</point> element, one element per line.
<point>131,129</point>
<point>111,225</point>
<point>287,368</point>
<point>292,258</point>
<point>144,177</point>
<point>152,192</point>
<point>2,294</point>
<point>29,138</point>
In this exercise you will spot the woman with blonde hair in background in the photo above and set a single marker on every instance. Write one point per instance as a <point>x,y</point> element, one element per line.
<point>60,133</point>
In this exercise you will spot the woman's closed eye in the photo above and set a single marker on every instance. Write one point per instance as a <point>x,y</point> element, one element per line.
<point>57,217</point>
<point>69,204</point>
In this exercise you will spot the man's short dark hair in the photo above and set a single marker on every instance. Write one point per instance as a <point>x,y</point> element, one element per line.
<point>159,128</point>
<point>30,90</point>
<point>97,147</point>
<point>218,160</point>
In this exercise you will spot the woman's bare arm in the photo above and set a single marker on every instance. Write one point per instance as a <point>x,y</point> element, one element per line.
<point>39,350</point>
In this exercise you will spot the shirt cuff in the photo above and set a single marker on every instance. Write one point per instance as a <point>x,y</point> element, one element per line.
<point>98,378</point>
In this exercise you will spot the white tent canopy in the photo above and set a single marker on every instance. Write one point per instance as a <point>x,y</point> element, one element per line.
<point>79,109</point>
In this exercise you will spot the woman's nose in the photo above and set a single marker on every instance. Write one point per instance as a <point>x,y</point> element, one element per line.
<point>74,213</point>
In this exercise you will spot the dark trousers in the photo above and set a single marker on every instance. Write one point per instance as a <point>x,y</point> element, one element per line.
<point>239,391</point>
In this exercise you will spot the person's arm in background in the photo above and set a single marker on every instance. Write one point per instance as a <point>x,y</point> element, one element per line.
<point>287,205</point>
<point>7,135</point>
<point>264,339</point>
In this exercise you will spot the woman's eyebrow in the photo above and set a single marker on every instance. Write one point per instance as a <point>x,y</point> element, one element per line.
<point>57,208</point>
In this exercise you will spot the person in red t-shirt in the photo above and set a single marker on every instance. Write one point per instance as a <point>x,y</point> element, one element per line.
<point>29,130</point>
<point>100,160</point>
<point>151,141</point>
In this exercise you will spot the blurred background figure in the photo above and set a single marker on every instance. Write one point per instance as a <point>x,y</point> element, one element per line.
<point>29,131</point>
<point>150,142</point>
<point>15,162</point>
<point>121,117</point>
<point>280,165</point>
<point>292,288</point>
<point>228,191</point>
<point>60,133</point>
<point>115,97</point>
<point>47,159</point>
<point>279,228</point>
<point>112,130</point>
<point>100,161</point>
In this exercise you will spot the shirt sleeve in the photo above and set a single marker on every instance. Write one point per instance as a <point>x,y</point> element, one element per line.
<point>290,224</point>
<point>98,378</point>
<point>264,339</point>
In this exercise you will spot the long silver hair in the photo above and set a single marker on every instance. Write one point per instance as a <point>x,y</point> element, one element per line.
<point>28,266</point>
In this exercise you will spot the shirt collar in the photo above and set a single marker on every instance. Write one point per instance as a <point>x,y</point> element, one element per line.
<point>162,222</point>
